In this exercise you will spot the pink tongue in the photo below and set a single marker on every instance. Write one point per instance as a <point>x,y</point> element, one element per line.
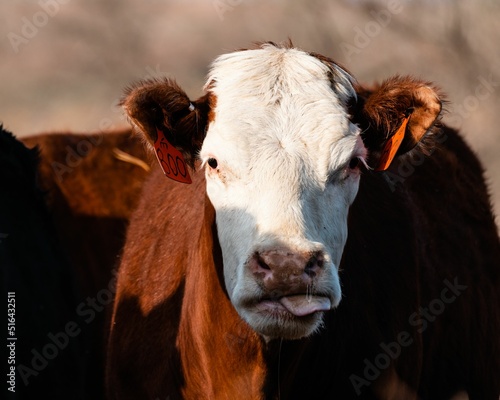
<point>301,304</point>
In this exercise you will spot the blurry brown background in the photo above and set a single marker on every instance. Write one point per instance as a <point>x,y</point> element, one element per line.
<point>64,63</point>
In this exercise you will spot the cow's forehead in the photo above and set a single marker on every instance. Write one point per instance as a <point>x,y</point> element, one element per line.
<point>273,98</point>
<point>271,74</point>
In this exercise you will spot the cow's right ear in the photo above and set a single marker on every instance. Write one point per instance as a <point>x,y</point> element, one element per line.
<point>160,106</point>
<point>394,116</point>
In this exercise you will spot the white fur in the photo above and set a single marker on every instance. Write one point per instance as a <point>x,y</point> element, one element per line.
<point>282,139</point>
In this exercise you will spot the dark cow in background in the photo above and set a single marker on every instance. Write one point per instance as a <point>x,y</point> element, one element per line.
<point>38,286</point>
<point>64,209</point>
<point>91,184</point>
<point>299,264</point>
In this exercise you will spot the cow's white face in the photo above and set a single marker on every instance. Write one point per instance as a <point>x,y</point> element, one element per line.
<point>281,159</point>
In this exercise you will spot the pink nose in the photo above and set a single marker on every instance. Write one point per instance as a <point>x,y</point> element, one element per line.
<point>286,271</point>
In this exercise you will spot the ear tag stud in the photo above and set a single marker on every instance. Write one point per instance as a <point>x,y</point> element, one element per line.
<point>171,160</point>
<point>392,146</point>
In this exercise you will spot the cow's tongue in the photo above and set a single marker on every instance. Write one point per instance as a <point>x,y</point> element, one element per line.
<point>302,304</point>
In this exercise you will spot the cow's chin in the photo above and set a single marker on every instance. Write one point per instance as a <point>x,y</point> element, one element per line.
<point>272,321</point>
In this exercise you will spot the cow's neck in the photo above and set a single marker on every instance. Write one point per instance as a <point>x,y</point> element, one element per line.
<point>213,338</point>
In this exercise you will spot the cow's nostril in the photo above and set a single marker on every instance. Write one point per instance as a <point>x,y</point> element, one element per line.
<point>262,264</point>
<point>311,263</point>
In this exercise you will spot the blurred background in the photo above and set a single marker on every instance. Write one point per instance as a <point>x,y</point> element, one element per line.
<point>64,63</point>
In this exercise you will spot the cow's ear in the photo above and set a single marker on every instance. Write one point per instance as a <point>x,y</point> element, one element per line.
<point>158,107</point>
<point>394,116</point>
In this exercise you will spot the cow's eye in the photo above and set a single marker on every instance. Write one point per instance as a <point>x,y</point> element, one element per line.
<point>212,162</point>
<point>354,163</point>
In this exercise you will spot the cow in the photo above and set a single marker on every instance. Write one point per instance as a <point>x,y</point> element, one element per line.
<point>318,239</point>
<point>91,185</point>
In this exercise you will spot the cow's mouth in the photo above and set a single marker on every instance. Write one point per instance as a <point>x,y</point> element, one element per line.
<point>298,305</point>
<point>290,316</point>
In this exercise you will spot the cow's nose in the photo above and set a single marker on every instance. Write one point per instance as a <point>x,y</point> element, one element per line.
<point>282,267</point>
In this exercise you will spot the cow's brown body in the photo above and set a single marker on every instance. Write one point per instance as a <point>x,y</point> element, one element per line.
<point>91,194</point>
<point>176,333</point>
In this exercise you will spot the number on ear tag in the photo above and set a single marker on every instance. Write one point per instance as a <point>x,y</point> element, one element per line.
<point>171,160</point>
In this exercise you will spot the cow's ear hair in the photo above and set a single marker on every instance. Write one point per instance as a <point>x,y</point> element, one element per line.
<point>160,104</point>
<point>401,106</point>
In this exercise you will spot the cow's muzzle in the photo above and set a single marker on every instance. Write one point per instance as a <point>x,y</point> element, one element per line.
<point>289,281</point>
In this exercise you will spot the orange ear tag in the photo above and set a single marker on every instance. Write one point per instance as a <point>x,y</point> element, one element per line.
<point>171,160</point>
<point>392,146</point>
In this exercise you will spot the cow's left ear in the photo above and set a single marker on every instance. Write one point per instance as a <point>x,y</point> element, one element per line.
<point>394,117</point>
<point>160,107</point>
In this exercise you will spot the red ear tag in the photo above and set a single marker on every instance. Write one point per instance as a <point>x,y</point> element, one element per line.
<point>392,146</point>
<point>171,160</point>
